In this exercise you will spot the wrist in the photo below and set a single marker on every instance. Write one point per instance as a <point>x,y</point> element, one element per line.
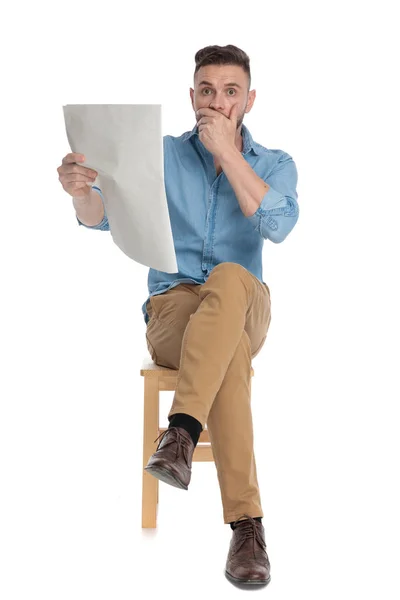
<point>84,199</point>
<point>228,154</point>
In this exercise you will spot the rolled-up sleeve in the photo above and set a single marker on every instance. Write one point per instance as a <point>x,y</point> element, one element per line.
<point>103,225</point>
<point>279,211</point>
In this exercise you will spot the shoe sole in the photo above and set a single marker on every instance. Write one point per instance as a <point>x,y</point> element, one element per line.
<point>164,475</point>
<point>248,581</point>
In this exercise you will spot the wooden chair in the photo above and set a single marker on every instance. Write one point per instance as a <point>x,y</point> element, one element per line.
<point>157,379</point>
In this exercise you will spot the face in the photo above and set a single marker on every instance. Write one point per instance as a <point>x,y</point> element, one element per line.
<point>213,88</point>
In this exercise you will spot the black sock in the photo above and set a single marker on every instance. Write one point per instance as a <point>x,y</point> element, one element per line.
<point>189,423</point>
<point>256,518</point>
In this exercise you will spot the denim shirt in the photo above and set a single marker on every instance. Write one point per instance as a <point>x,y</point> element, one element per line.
<point>208,225</point>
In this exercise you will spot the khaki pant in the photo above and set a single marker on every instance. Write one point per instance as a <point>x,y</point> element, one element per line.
<point>211,332</point>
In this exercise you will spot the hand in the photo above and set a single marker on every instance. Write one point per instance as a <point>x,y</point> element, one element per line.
<point>76,180</point>
<point>216,131</point>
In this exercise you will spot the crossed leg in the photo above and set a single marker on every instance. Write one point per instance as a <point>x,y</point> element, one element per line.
<point>210,333</point>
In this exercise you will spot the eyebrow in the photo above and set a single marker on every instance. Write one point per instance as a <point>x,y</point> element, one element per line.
<point>232,84</point>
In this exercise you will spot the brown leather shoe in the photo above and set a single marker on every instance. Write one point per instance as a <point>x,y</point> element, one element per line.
<point>172,461</point>
<point>247,560</point>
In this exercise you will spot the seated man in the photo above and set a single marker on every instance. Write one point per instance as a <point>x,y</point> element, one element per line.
<point>226,194</point>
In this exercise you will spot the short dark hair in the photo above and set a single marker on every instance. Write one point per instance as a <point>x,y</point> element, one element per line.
<point>222,55</point>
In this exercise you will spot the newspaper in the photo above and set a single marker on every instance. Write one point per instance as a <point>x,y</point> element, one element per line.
<point>124,144</point>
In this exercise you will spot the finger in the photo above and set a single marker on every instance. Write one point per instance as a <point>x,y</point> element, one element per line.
<point>73,157</point>
<point>74,168</point>
<point>234,112</point>
<point>77,177</point>
<point>206,112</point>
<point>205,120</point>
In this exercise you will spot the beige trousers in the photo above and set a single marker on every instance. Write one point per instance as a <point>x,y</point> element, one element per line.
<point>210,333</point>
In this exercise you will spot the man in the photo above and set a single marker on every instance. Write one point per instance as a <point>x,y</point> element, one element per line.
<point>226,195</point>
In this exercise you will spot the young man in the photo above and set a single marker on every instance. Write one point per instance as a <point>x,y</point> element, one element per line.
<point>226,195</point>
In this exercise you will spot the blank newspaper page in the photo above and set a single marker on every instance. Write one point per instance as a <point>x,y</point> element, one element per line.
<point>124,144</point>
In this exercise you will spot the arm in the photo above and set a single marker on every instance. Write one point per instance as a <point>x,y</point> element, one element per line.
<point>90,211</point>
<point>271,207</point>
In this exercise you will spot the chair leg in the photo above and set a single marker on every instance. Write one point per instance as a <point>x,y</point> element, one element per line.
<point>150,433</point>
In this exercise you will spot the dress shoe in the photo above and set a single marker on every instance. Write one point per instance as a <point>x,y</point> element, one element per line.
<point>172,461</point>
<point>247,560</point>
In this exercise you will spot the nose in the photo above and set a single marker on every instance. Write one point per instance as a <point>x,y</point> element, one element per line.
<point>218,108</point>
<point>217,103</point>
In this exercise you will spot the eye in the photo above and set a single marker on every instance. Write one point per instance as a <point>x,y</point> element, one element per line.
<point>230,90</point>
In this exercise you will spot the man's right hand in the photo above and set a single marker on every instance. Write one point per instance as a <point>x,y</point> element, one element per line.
<point>75,179</point>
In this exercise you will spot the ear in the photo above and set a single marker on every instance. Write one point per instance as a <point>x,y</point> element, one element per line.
<point>250,100</point>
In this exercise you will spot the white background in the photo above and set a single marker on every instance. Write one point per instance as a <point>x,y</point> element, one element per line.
<point>325,391</point>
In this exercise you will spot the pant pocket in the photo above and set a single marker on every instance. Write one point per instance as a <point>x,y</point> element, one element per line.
<point>149,308</point>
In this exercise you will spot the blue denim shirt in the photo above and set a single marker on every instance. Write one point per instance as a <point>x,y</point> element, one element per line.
<point>208,225</point>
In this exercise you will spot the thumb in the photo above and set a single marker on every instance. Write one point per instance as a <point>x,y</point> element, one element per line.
<point>234,112</point>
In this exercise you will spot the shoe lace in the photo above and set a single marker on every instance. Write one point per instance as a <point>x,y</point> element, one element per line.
<point>249,530</point>
<point>183,443</point>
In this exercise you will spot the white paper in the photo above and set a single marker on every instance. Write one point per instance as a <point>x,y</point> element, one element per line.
<point>124,144</point>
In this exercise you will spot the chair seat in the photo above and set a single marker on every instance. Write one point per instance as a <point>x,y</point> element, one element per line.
<point>151,369</point>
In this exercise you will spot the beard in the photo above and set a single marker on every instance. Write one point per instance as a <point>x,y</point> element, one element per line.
<point>240,121</point>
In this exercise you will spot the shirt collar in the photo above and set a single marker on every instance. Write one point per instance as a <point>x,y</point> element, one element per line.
<point>248,143</point>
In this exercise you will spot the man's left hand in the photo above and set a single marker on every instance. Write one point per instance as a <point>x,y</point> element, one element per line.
<point>216,131</point>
